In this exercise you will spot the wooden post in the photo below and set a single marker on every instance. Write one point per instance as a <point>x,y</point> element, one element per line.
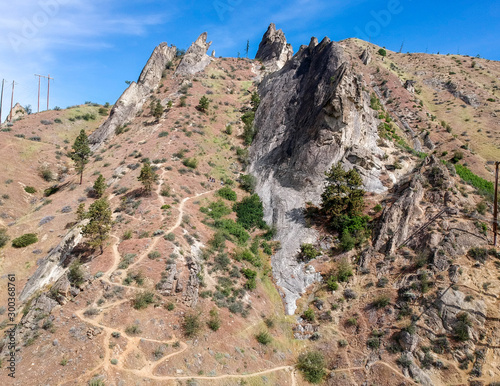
<point>495,206</point>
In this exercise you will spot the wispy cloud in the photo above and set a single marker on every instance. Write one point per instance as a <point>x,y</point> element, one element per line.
<point>36,35</point>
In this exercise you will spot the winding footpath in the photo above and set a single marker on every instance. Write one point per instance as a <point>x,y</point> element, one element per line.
<point>148,370</point>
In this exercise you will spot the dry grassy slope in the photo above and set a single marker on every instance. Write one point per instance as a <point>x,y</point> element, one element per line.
<point>21,212</point>
<point>475,127</point>
<point>227,82</point>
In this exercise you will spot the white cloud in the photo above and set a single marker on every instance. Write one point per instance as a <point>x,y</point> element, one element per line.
<point>34,34</point>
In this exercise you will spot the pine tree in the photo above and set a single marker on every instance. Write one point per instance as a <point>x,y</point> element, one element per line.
<point>81,153</point>
<point>158,110</point>
<point>99,186</point>
<point>203,104</point>
<point>80,212</point>
<point>343,194</point>
<point>99,225</point>
<point>148,177</point>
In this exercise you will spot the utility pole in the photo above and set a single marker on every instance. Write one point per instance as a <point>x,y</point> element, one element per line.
<point>495,206</point>
<point>38,109</point>
<point>1,102</point>
<point>48,89</point>
<point>12,101</point>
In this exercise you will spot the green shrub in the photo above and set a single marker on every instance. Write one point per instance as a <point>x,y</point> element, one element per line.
<point>264,338</point>
<point>214,322</point>
<point>381,302</point>
<point>331,283</point>
<point>344,270</point>
<point>190,162</point>
<point>246,255</point>
<point>308,252</point>
<point>461,327</point>
<point>29,189</point>
<point>457,156</point>
<point>312,365</point>
<point>227,193</point>
<point>25,240</point>
<point>404,361</point>
<point>373,343</point>
<point>133,329</point>
<point>309,315</point>
<point>382,52</point>
<point>127,235</point>
<point>484,187</point>
<point>250,212</point>
<point>248,183</point>
<point>76,274</point>
<point>216,210</point>
<point>479,254</point>
<point>153,255</point>
<point>143,299</point>
<point>45,173</point>
<point>377,208</point>
<point>4,238</point>
<point>191,325</point>
<point>51,190</point>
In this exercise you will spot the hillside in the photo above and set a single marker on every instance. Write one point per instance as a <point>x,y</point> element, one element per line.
<point>229,270</point>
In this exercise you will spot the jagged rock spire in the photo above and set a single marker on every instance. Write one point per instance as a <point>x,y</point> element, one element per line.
<point>274,51</point>
<point>196,58</point>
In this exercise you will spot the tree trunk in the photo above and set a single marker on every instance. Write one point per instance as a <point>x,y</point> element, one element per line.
<point>81,177</point>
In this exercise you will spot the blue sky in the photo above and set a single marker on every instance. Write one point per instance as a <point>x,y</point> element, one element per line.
<point>91,47</point>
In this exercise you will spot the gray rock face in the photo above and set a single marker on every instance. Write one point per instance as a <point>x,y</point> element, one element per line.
<point>273,50</point>
<point>196,58</point>
<point>313,113</point>
<point>51,268</point>
<point>470,99</point>
<point>191,294</point>
<point>133,98</point>
<point>408,341</point>
<point>366,57</point>
<point>396,221</point>
<point>410,86</point>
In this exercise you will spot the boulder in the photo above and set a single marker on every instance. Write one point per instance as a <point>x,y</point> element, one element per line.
<point>366,56</point>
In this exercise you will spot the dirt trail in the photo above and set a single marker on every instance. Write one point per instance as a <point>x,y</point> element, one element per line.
<point>148,370</point>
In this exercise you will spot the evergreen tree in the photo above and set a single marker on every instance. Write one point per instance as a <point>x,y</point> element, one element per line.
<point>80,212</point>
<point>158,110</point>
<point>99,225</point>
<point>99,186</point>
<point>81,153</point>
<point>148,177</point>
<point>203,104</point>
<point>343,194</point>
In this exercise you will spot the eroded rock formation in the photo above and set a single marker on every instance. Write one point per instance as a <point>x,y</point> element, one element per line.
<point>313,112</point>
<point>273,50</point>
<point>134,97</point>
<point>196,58</point>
